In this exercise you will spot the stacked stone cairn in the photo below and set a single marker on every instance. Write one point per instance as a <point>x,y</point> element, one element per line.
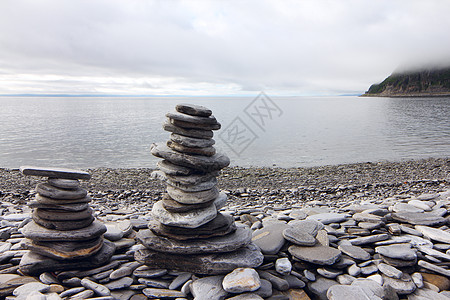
<point>187,232</point>
<point>63,233</point>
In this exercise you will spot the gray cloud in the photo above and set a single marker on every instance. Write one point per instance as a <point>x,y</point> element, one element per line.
<point>217,47</point>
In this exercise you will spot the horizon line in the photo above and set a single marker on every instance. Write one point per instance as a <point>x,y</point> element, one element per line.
<point>166,96</point>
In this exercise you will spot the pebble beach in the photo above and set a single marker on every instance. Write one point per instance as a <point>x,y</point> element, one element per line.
<point>374,230</point>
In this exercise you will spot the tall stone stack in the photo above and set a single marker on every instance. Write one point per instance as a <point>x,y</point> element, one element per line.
<point>63,234</point>
<point>187,232</point>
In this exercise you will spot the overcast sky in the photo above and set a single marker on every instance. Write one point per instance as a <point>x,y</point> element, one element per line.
<point>215,47</point>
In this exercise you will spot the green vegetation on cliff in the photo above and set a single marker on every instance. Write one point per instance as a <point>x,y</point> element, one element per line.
<point>431,82</point>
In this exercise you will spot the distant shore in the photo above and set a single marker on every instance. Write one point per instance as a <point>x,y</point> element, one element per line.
<point>406,95</point>
<point>282,185</point>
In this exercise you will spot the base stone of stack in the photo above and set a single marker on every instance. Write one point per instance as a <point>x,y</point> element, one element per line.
<point>35,264</point>
<point>227,243</point>
<point>205,264</point>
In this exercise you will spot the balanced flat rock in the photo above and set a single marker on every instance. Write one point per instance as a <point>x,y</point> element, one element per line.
<point>61,173</point>
<point>49,191</point>
<point>173,206</point>
<point>195,133</point>
<point>170,169</point>
<point>34,264</point>
<point>193,110</point>
<point>227,243</point>
<point>45,200</point>
<point>192,197</point>
<point>69,225</point>
<point>38,233</point>
<point>208,264</point>
<point>210,120</point>
<point>191,219</point>
<point>207,151</point>
<point>198,187</point>
<point>63,207</point>
<point>191,142</point>
<point>68,184</point>
<point>219,226</point>
<point>61,215</point>
<point>201,163</point>
<point>65,250</point>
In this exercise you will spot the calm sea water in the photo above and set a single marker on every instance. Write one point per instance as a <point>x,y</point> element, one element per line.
<point>287,132</point>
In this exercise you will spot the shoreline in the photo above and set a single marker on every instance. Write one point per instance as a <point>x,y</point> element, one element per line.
<point>286,186</point>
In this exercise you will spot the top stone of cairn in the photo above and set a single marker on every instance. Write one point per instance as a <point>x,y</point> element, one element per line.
<point>193,110</point>
<point>61,173</point>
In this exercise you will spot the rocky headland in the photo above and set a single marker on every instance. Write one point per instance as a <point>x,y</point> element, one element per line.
<point>431,82</point>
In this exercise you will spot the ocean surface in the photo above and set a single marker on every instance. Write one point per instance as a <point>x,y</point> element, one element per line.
<point>88,132</point>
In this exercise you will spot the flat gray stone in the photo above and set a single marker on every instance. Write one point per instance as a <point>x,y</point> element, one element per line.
<point>347,292</point>
<point>120,283</point>
<point>241,280</point>
<point>61,215</point>
<point>213,263</point>
<point>298,236</point>
<point>153,293</point>
<point>24,290</point>
<point>371,288</point>
<point>64,250</point>
<point>206,151</point>
<point>221,225</point>
<point>369,239</point>
<point>69,225</point>
<point>45,200</point>
<point>190,219</point>
<point>49,191</point>
<point>320,287</point>
<point>38,233</point>
<point>176,207</point>
<point>311,227</point>
<point>227,243</point>
<point>195,133</point>
<point>355,252</point>
<point>99,289</point>
<point>191,142</point>
<point>434,268</point>
<point>35,264</point>
<point>425,218</point>
<point>201,163</point>
<point>208,288</point>
<point>171,169</point>
<point>402,286</point>
<point>198,187</point>
<point>185,197</point>
<point>68,184</point>
<point>434,233</point>
<point>193,110</point>
<point>327,218</point>
<point>199,120</point>
<point>404,207</point>
<point>192,179</point>
<point>390,271</point>
<point>61,173</point>
<point>397,251</point>
<point>270,238</point>
<point>318,254</point>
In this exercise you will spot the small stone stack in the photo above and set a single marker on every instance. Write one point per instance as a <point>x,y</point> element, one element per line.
<point>63,233</point>
<point>188,233</point>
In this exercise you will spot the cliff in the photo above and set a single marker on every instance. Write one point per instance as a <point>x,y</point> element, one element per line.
<point>423,83</point>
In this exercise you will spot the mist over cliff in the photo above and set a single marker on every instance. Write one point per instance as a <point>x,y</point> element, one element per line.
<point>414,82</point>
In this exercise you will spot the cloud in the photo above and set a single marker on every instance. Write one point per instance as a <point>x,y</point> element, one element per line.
<point>214,47</point>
